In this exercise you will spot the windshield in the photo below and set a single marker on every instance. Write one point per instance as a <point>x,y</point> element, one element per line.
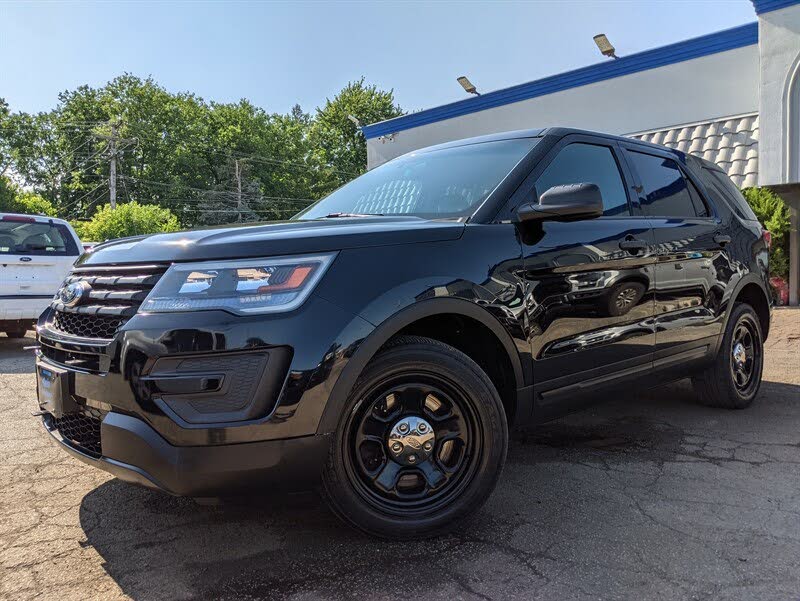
<point>446,183</point>
<point>35,239</point>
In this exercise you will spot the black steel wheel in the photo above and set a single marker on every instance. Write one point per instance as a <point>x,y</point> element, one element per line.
<point>745,349</point>
<point>421,443</point>
<point>412,442</point>
<point>733,380</point>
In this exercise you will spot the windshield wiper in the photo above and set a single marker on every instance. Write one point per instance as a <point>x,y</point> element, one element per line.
<point>339,215</point>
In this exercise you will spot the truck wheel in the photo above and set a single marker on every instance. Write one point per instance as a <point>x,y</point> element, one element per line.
<point>17,332</point>
<point>624,297</point>
<point>420,444</point>
<point>733,380</point>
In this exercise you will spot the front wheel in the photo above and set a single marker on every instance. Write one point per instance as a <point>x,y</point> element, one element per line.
<point>734,378</point>
<point>420,444</point>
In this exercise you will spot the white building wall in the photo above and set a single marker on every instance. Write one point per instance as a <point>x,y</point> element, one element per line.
<point>779,45</point>
<point>696,90</point>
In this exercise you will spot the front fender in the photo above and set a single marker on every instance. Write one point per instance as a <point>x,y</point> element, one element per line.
<point>391,326</point>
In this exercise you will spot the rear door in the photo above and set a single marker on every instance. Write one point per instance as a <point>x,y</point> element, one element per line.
<point>589,301</point>
<point>692,265</point>
<point>35,256</point>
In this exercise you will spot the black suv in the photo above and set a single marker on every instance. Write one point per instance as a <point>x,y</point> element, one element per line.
<point>383,341</point>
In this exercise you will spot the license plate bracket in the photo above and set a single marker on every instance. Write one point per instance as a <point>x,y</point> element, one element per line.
<point>54,387</point>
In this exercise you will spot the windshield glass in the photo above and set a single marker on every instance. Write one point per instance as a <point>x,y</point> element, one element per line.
<point>35,239</point>
<point>446,183</point>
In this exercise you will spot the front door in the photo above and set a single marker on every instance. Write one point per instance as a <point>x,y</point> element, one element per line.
<point>589,284</point>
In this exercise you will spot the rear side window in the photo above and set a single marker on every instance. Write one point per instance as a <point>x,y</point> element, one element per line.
<point>36,239</point>
<point>587,164</point>
<point>665,191</point>
<point>721,184</point>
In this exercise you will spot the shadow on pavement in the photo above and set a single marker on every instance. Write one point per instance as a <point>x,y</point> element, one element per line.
<point>557,490</point>
<point>15,360</point>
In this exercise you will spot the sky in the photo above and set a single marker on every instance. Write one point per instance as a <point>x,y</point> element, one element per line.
<point>278,54</point>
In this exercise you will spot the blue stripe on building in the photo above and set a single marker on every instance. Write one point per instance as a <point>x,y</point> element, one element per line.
<point>721,41</point>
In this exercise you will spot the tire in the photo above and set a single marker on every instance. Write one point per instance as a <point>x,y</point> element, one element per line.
<point>623,297</point>
<point>371,484</point>
<point>17,332</point>
<point>729,383</point>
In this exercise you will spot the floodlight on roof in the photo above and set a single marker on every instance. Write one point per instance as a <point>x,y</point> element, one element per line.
<point>604,45</point>
<point>467,85</point>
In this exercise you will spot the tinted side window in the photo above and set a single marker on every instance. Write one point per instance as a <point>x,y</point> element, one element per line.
<point>589,164</point>
<point>729,191</point>
<point>665,191</point>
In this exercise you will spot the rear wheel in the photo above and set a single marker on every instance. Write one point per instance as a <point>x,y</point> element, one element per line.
<point>420,444</point>
<point>734,378</point>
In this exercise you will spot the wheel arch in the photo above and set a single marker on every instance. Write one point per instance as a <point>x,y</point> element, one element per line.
<point>399,324</point>
<point>750,290</point>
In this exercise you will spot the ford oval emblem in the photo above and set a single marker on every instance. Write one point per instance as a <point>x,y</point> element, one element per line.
<point>72,294</point>
<point>25,259</point>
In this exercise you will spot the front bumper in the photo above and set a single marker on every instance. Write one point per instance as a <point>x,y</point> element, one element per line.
<point>134,452</point>
<point>147,384</point>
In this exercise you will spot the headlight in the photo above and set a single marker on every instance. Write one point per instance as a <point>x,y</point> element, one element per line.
<point>243,287</point>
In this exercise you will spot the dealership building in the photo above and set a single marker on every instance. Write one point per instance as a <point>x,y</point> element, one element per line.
<point>732,97</point>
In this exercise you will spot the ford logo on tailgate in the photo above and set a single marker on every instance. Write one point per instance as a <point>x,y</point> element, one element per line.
<point>72,294</point>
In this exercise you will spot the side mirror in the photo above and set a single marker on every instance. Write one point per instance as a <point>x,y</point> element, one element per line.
<point>568,202</point>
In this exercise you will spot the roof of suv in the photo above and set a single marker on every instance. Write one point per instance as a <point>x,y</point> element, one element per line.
<point>548,131</point>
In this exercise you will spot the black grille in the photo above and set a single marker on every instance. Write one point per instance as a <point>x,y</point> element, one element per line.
<point>114,295</point>
<point>82,429</point>
<point>86,326</point>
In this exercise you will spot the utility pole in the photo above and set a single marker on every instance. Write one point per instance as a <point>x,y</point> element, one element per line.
<point>112,170</point>
<point>113,148</point>
<point>238,188</point>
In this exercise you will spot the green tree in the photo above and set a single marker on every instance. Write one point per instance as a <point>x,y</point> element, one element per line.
<point>339,147</point>
<point>33,204</point>
<point>130,219</point>
<point>13,200</point>
<point>773,215</point>
<point>8,195</point>
<point>207,162</point>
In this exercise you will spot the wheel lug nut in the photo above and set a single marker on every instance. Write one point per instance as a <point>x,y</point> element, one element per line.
<point>403,427</point>
<point>412,458</point>
<point>422,427</point>
<point>427,446</point>
<point>397,447</point>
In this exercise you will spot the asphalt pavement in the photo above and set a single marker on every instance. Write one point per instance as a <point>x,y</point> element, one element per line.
<point>650,496</point>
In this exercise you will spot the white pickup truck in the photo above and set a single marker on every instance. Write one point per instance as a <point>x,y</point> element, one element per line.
<point>36,253</point>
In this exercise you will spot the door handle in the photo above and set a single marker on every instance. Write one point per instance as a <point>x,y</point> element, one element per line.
<point>722,239</point>
<point>633,245</point>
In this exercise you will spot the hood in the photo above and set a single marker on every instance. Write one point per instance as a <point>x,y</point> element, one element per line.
<point>272,239</point>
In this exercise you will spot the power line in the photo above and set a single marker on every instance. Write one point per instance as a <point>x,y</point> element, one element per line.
<point>208,191</point>
<point>75,202</point>
<point>240,155</point>
<point>233,210</point>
